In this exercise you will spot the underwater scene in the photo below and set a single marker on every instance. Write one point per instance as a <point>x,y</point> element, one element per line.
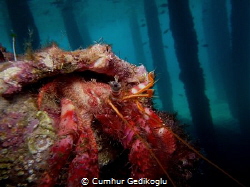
<point>124,92</point>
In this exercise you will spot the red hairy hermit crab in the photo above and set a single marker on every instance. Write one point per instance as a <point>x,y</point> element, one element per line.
<point>61,113</point>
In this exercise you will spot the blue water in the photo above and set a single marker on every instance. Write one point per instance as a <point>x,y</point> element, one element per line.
<point>110,24</point>
<point>109,21</point>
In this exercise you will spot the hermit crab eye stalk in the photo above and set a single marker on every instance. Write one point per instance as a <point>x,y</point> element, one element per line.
<point>116,87</point>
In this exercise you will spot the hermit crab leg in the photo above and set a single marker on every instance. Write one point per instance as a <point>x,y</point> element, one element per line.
<point>85,163</point>
<point>141,139</point>
<point>141,108</point>
<point>200,155</point>
<point>63,146</point>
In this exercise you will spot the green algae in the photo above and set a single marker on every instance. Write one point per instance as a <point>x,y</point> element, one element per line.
<point>44,134</point>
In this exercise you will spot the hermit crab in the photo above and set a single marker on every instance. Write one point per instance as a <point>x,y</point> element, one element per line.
<point>62,123</point>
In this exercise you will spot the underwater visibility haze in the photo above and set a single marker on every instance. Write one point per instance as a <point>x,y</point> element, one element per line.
<point>199,51</point>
